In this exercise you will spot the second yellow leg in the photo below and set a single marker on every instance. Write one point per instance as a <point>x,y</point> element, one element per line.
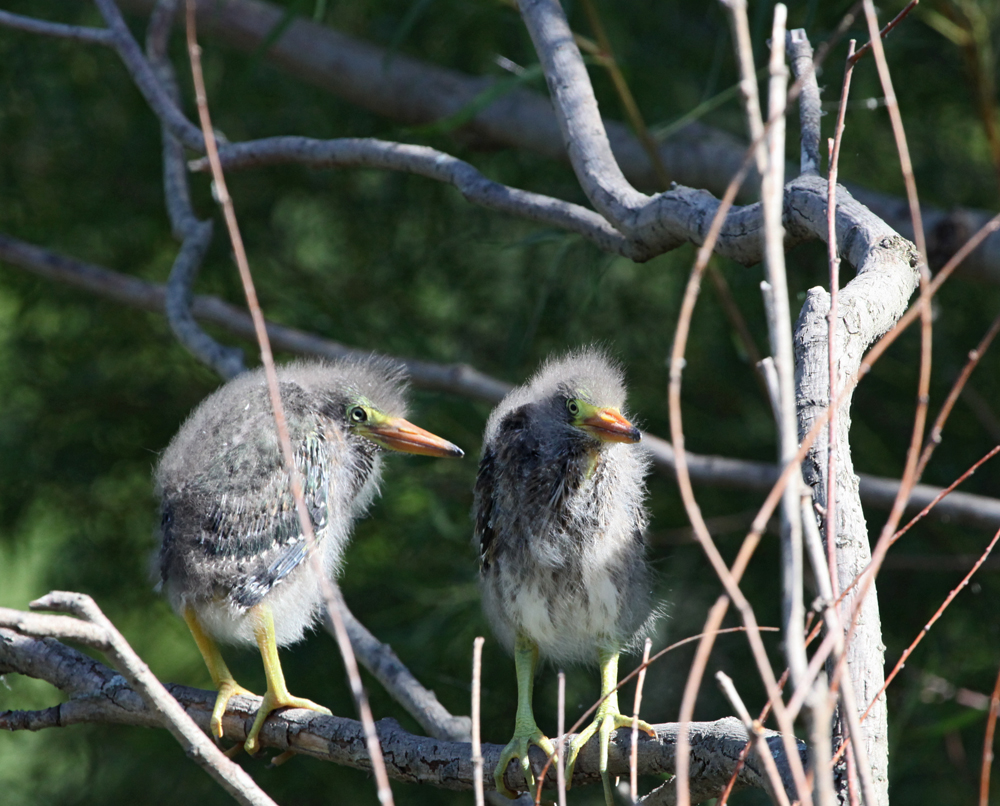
<point>277,695</point>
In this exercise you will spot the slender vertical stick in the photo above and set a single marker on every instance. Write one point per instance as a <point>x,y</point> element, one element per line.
<point>477,750</point>
<point>834,258</point>
<point>330,591</point>
<point>560,752</point>
<point>756,735</point>
<point>991,724</point>
<point>634,760</point>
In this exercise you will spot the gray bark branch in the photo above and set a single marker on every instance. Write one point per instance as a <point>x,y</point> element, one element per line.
<point>99,695</point>
<point>412,91</point>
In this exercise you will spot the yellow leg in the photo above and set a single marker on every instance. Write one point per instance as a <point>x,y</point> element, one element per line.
<point>526,730</point>
<point>277,695</point>
<point>221,676</point>
<point>607,720</point>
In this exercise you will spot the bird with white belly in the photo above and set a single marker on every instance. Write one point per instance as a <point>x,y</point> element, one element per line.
<point>233,559</point>
<point>559,512</point>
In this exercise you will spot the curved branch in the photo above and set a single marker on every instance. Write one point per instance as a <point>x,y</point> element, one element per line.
<point>195,235</point>
<point>432,164</point>
<point>92,628</point>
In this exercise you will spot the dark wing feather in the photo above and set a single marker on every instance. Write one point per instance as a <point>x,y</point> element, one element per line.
<point>286,533</point>
<point>484,505</point>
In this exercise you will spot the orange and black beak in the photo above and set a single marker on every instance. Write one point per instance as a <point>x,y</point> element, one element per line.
<point>608,425</point>
<point>398,434</point>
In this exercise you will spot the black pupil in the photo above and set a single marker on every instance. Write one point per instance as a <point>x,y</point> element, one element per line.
<point>358,415</point>
<point>573,408</point>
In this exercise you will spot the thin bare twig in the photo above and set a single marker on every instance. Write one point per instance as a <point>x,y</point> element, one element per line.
<point>327,585</point>
<point>477,751</point>
<point>832,319</point>
<point>991,723</point>
<point>934,436</point>
<point>866,48</point>
<point>930,623</point>
<point>724,797</point>
<point>561,730</point>
<point>634,760</point>
<point>755,735</point>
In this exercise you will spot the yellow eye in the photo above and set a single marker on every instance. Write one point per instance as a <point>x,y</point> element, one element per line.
<point>573,407</point>
<point>358,415</point>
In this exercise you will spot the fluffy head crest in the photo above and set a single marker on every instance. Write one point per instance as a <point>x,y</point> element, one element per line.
<point>373,378</point>
<point>588,373</point>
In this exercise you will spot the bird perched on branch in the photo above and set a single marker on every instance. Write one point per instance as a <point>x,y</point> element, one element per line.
<point>559,519</point>
<point>233,558</point>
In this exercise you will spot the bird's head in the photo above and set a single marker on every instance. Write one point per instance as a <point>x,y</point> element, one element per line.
<point>365,396</point>
<point>576,398</point>
<point>604,423</point>
<point>395,433</point>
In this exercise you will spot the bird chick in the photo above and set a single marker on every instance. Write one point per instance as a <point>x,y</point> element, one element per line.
<point>559,511</point>
<point>232,558</point>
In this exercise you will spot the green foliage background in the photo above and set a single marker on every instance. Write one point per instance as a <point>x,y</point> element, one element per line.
<point>90,392</point>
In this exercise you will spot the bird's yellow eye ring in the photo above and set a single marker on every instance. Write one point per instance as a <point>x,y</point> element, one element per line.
<point>357,414</point>
<point>573,407</point>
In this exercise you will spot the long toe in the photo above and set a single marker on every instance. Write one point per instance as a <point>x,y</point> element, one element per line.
<point>576,746</point>
<point>609,723</point>
<point>518,748</point>
<point>227,690</point>
<point>272,703</point>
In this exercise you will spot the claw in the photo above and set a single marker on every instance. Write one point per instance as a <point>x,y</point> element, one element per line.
<point>605,723</point>
<point>518,748</point>
<point>272,702</point>
<point>227,690</point>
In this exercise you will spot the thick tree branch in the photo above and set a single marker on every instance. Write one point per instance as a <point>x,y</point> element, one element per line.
<point>415,92</point>
<point>411,91</point>
<point>98,695</point>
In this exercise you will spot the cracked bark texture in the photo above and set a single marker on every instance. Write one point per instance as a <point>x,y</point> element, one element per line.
<point>98,694</point>
<point>868,306</point>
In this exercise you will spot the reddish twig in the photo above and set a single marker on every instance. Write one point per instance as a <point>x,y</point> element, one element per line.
<point>866,48</point>
<point>225,200</point>
<point>934,437</point>
<point>920,636</point>
<point>939,497</point>
<point>991,723</point>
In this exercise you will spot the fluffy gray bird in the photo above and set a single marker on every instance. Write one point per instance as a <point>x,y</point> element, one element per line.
<point>559,521</point>
<point>232,558</point>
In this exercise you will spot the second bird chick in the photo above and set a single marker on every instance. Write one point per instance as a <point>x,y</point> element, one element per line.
<point>560,515</point>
